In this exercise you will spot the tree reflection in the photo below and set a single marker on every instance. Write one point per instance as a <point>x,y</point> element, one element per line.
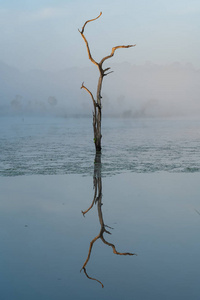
<point>97,182</point>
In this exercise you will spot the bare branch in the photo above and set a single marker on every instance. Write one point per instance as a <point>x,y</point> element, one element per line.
<point>88,22</point>
<point>113,51</point>
<point>88,50</point>
<point>108,73</point>
<point>94,102</point>
<point>86,42</point>
<point>106,69</point>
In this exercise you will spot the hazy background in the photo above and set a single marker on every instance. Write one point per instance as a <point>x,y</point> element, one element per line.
<point>43,59</point>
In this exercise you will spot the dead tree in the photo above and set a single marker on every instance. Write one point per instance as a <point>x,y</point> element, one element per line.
<point>102,73</point>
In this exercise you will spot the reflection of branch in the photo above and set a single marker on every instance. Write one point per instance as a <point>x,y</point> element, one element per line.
<point>94,199</point>
<point>100,235</point>
<point>90,250</point>
<point>114,249</point>
<point>98,199</point>
<point>85,212</point>
<point>84,269</point>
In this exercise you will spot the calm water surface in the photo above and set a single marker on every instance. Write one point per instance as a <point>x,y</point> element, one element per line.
<point>146,194</point>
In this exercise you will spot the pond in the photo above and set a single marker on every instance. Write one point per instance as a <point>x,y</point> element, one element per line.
<point>71,233</point>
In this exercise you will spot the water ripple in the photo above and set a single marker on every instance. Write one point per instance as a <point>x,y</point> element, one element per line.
<point>64,146</point>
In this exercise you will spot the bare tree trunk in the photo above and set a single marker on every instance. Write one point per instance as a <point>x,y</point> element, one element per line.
<point>97,103</point>
<point>98,123</point>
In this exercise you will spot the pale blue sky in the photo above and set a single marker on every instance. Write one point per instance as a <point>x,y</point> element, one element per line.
<point>42,34</point>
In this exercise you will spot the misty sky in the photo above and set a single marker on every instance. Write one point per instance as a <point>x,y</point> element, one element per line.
<point>43,34</point>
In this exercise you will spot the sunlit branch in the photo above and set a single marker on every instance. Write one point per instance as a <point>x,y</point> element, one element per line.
<point>88,22</point>
<point>113,51</point>
<point>86,42</point>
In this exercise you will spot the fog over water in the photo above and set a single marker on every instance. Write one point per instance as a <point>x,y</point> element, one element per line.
<point>148,90</point>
